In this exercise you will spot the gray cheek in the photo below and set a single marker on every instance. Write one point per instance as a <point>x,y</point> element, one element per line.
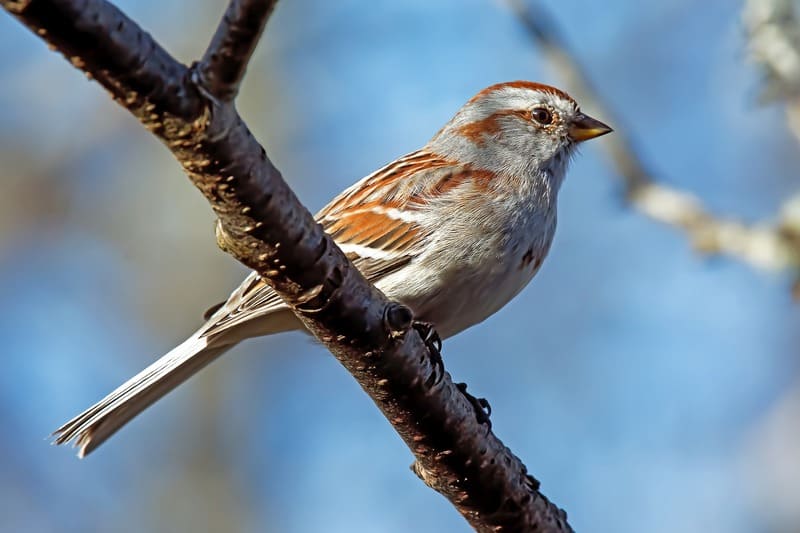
<point>561,158</point>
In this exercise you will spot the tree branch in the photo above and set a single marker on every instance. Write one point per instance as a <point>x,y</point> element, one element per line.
<point>263,225</point>
<point>225,61</point>
<point>771,246</point>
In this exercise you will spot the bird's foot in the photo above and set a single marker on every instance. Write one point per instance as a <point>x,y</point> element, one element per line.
<point>481,406</point>
<point>433,342</point>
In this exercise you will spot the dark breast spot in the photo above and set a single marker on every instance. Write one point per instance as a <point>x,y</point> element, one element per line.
<point>529,258</point>
<point>526,259</point>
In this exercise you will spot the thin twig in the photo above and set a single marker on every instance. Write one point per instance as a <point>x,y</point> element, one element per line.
<point>225,60</point>
<point>773,35</point>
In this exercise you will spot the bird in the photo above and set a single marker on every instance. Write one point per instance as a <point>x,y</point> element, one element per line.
<point>453,230</point>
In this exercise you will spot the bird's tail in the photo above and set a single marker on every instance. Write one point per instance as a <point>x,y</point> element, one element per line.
<point>92,427</point>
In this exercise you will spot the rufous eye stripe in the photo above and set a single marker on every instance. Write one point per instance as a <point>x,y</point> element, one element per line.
<point>480,130</point>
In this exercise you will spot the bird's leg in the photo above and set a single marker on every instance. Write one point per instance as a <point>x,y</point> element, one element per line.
<point>433,342</point>
<point>481,405</point>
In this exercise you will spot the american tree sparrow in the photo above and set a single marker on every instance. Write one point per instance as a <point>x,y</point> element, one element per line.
<point>454,231</point>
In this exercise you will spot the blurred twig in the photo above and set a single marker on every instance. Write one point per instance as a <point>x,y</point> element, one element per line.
<point>773,246</point>
<point>773,31</point>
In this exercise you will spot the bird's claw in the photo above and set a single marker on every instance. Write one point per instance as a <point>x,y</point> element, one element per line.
<point>433,342</point>
<point>481,406</point>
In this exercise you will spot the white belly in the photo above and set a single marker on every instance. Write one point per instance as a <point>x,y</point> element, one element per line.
<point>461,294</point>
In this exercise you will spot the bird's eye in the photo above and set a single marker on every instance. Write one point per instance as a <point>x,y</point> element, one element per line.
<point>542,115</point>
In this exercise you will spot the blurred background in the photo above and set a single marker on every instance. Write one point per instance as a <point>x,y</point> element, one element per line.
<point>649,388</point>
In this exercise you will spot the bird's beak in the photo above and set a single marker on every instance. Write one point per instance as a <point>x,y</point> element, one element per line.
<point>585,127</point>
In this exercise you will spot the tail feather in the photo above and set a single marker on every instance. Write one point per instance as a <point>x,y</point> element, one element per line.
<point>95,425</point>
<point>92,427</point>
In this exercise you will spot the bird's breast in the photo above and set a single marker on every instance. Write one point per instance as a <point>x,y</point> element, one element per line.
<point>467,277</point>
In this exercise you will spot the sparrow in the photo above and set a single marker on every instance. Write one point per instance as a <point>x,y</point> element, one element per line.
<point>454,231</point>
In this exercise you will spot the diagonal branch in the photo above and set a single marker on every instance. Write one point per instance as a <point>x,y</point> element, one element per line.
<point>773,246</point>
<point>263,225</point>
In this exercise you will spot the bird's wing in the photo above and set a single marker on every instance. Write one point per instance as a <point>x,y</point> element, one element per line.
<point>376,222</point>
